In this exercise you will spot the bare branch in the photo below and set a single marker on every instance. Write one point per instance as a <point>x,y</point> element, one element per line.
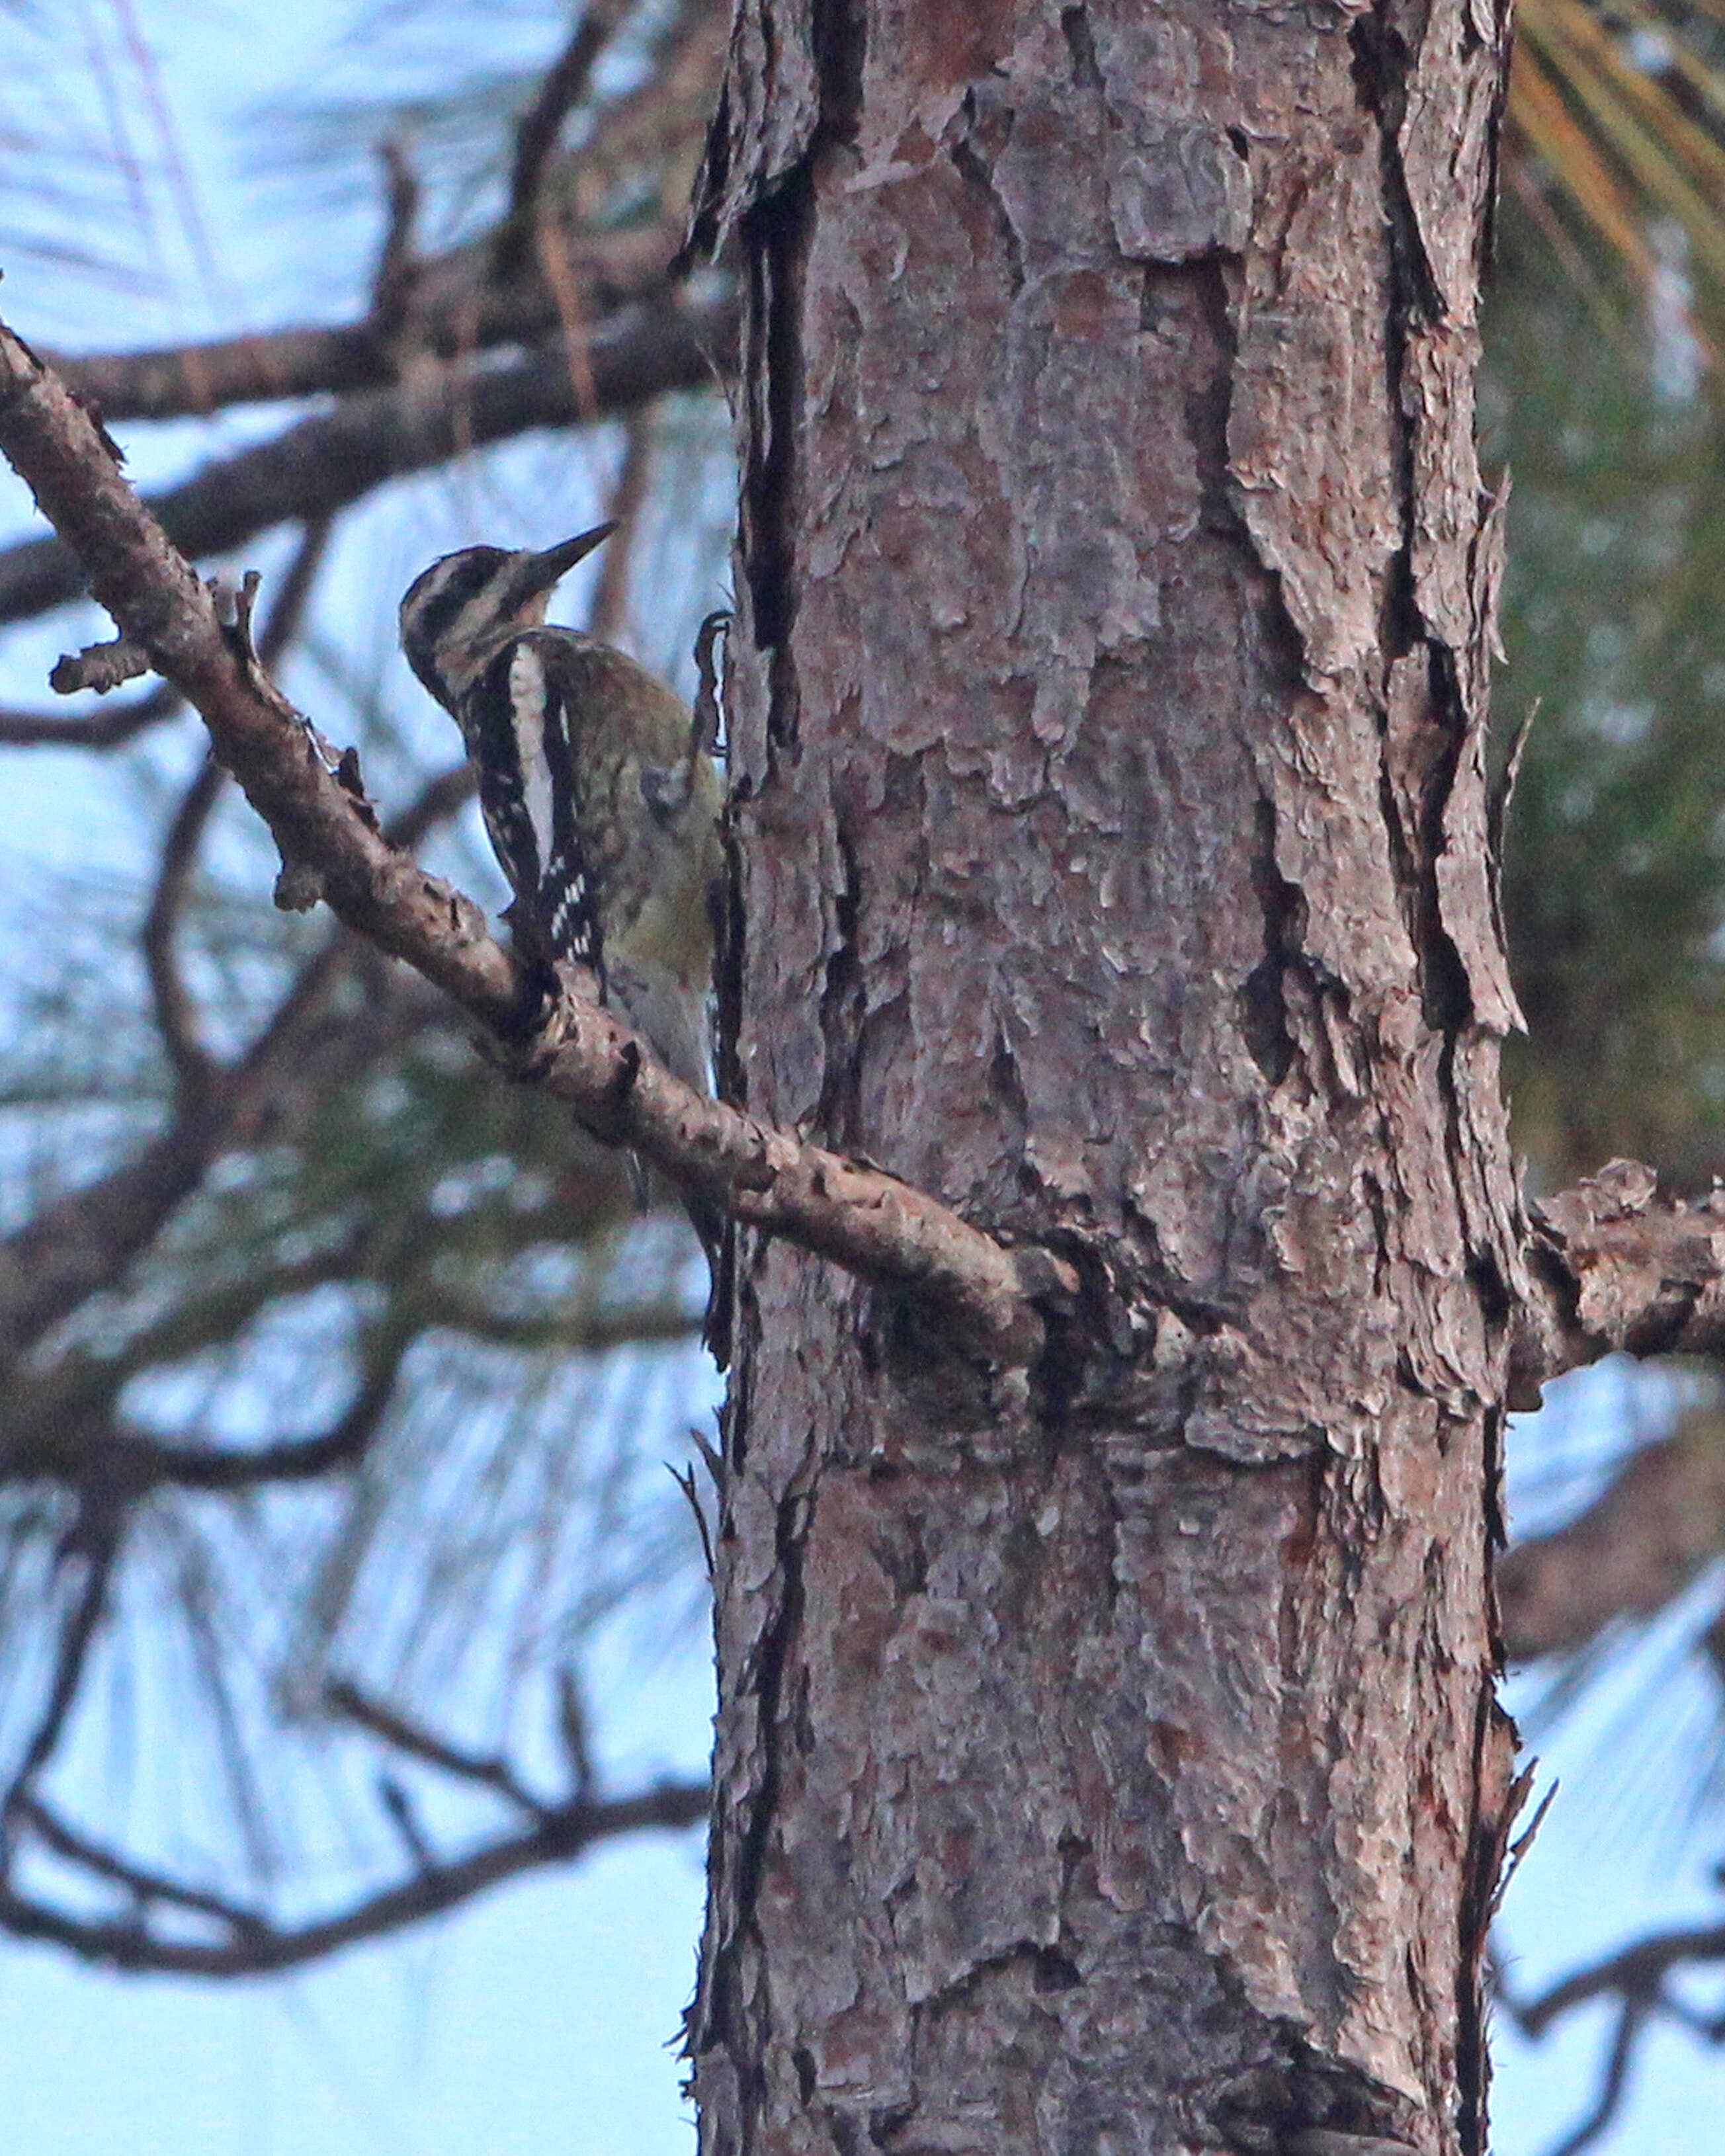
<point>108,729</point>
<point>98,666</point>
<point>1638,1972</point>
<point>325,463</point>
<point>571,1729</point>
<point>685,1481</point>
<point>1614,2084</point>
<point>395,275</point>
<point>535,137</point>
<point>492,1773</point>
<point>139,1463</point>
<point>95,1540</point>
<point>452,306</point>
<point>251,1945</point>
<point>1614,1265</point>
<point>176,1008</point>
<point>61,1425</point>
<point>403,1816</point>
<point>288,609</point>
<point>1639,1980</point>
<point>146,1885</point>
<point>86,1240</point>
<point>46,1406</point>
<point>450,319</point>
<point>863,1219</point>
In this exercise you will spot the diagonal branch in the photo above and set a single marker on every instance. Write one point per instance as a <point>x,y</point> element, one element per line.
<point>536,134</point>
<point>138,1462</point>
<point>1638,1980</point>
<point>491,1772</point>
<point>110,728</point>
<point>1614,1265</point>
<point>62,1423</point>
<point>96,1541</point>
<point>249,1945</point>
<point>325,463</point>
<point>863,1219</point>
<point>175,1007</point>
<point>452,305</point>
<point>86,1240</point>
<point>143,1885</point>
<point>1614,2082</point>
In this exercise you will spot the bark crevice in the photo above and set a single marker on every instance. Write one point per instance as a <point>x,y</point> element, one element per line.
<point>1114,473</point>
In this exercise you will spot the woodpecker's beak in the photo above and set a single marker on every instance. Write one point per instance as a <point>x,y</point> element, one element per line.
<point>535,574</point>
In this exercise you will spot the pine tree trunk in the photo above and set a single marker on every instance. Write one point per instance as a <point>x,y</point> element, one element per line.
<point>1108,1756</point>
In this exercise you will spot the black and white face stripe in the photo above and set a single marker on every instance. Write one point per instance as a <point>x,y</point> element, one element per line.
<point>448,611</point>
<point>456,612</point>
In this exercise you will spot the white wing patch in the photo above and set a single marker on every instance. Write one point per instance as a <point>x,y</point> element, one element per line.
<point>527,699</point>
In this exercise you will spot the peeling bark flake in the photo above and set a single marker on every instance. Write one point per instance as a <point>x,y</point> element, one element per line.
<point>1107,1758</point>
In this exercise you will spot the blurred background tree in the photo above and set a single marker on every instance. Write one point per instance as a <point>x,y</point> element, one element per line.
<point>339,1380</point>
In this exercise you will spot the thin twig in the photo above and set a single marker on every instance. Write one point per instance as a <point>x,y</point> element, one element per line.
<point>146,1885</point>
<point>1614,2082</point>
<point>683,1477</point>
<point>96,1539</point>
<point>628,495</point>
<point>404,1816</point>
<point>572,1730</point>
<point>326,462</point>
<point>457,303</point>
<point>175,1007</point>
<point>110,728</point>
<point>491,1772</point>
<point>394,279</point>
<point>255,1947</point>
<point>563,86</point>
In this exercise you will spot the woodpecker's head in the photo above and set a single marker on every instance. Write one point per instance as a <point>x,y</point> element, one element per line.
<point>457,613</point>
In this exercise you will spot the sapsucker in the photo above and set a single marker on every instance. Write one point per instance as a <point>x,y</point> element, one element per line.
<point>598,791</point>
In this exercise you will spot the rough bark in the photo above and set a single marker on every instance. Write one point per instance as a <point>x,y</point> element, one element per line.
<point>1615,1265</point>
<point>1109,1760</point>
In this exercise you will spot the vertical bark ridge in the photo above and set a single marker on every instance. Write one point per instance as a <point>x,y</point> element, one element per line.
<point>1110,1761</point>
